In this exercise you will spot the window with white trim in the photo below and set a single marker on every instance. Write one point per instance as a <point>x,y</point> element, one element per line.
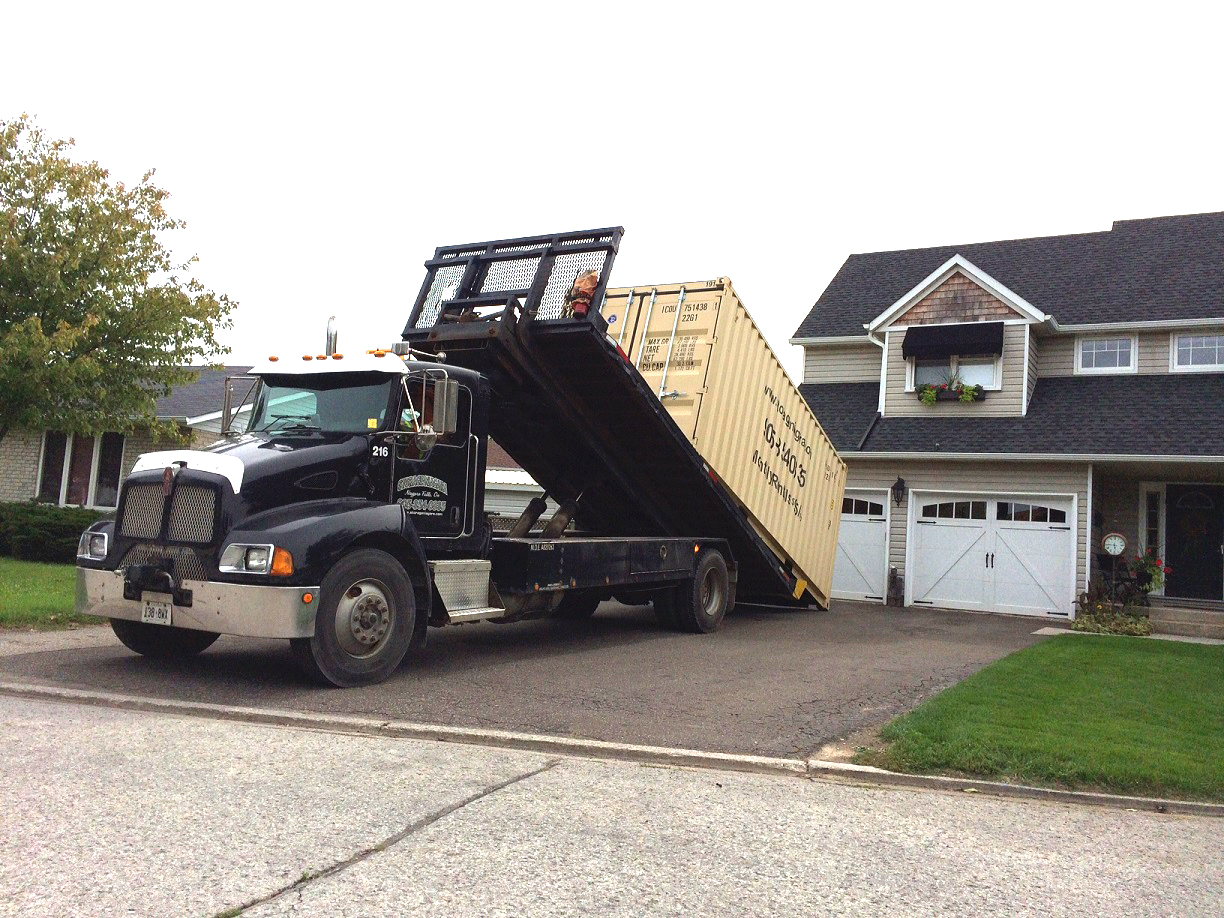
<point>1107,355</point>
<point>1198,352</point>
<point>971,370</point>
<point>81,470</point>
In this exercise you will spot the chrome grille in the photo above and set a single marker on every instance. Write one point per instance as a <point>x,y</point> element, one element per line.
<point>142,512</point>
<point>191,514</point>
<point>188,564</point>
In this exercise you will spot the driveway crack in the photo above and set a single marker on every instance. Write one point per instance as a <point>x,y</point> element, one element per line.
<point>299,885</point>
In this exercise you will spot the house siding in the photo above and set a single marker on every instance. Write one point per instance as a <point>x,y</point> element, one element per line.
<point>975,477</point>
<point>1006,402</point>
<point>1056,353</point>
<point>19,455</point>
<point>842,363</point>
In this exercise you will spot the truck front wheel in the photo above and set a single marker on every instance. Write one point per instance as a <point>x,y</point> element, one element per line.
<point>161,642</point>
<point>697,605</point>
<point>364,622</point>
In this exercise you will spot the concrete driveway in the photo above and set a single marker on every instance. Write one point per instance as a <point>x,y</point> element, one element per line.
<point>772,682</point>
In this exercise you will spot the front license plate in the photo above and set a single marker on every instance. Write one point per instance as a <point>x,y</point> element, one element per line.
<point>155,613</point>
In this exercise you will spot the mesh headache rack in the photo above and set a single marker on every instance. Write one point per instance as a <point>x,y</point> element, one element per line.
<point>534,274</point>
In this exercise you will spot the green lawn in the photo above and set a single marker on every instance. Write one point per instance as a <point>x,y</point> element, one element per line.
<point>1119,714</point>
<point>38,596</point>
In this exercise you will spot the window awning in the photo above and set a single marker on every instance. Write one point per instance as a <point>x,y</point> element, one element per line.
<point>927,341</point>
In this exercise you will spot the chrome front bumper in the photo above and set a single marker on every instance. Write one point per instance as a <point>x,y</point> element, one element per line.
<point>225,608</point>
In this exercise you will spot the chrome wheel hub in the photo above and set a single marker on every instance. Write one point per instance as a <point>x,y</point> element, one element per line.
<point>363,618</point>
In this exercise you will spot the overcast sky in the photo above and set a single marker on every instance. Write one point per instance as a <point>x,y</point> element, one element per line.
<point>320,153</point>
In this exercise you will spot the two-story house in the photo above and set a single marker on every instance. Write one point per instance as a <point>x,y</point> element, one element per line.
<point>1100,362</point>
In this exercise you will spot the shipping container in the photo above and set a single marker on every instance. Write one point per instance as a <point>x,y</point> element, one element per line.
<point>699,349</point>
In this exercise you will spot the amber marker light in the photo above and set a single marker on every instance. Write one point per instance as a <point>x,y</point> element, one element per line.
<point>282,563</point>
<point>308,598</point>
<point>337,356</point>
<point>273,359</point>
<point>307,357</point>
<point>696,549</point>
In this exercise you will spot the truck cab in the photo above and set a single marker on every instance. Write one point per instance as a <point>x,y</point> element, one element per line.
<point>347,474</point>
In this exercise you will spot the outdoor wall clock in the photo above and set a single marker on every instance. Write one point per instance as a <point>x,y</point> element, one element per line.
<point>1114,543</point>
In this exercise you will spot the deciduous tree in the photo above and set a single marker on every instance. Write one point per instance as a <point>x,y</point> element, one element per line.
<point>97,317</point>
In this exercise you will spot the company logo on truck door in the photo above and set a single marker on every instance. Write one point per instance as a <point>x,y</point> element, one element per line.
<point>422,494</point>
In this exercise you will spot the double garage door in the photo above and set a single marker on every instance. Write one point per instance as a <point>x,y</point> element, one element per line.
<point>989,553</point>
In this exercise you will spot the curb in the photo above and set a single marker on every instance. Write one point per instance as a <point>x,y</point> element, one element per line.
<point>815,769</point>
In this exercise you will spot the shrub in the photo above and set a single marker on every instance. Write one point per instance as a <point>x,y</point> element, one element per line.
<point>1137,625</point>
<point>41,532</point>
<point>1101,611</point>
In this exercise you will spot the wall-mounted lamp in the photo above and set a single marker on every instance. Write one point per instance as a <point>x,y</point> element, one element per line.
<point>898,491</point>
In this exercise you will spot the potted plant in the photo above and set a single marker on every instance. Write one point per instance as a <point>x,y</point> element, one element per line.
<point>953,387</point>
<point>1149,571</point>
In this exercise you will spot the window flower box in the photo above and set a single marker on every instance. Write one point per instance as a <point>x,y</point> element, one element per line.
<point>930,394</point>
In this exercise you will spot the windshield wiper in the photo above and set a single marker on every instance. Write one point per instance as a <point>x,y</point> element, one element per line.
<point>285,417</point>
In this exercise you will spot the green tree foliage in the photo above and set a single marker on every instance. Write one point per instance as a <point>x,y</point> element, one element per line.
<point>96,317</point>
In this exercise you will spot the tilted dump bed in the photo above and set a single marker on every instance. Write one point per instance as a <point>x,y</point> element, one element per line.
<point>570,408</point>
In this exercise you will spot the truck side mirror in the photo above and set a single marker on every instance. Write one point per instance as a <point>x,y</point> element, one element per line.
<point>446,406</point>
<point>231,408</point>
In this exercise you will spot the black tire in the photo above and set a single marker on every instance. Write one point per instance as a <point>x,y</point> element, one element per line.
<point>364,622</point>
<point>577,606</point>
<point>161,642</point>
<point>701,603</point>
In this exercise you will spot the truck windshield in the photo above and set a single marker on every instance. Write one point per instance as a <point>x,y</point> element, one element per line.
<point>333,402</point>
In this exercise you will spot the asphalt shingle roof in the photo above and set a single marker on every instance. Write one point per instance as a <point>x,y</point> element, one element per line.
<point>1141,270</point>
<point>203,396</point>
<point>1174,414</point>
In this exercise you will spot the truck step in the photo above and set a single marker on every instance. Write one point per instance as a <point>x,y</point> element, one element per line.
<point>463,587</point>
<point>458,616</point>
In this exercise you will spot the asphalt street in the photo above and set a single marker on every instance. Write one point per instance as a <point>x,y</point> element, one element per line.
<point>113,812</point>
<point>771,682</point>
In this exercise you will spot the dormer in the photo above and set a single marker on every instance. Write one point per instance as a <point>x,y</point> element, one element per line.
<point>957,326</point>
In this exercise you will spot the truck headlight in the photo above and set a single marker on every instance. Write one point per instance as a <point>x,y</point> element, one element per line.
<point>240,558</point>
<point>92,546</point>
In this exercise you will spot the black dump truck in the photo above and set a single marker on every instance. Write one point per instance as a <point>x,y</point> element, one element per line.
<point>347,514</point>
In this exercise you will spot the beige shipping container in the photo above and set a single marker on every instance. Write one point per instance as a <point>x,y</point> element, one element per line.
<point>699,349</point>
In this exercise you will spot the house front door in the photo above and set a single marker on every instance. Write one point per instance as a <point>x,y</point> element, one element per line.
<point>1195,540</point>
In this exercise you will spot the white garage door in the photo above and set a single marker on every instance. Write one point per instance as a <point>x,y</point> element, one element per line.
<point>861,566</point>
<point>1000,554</point>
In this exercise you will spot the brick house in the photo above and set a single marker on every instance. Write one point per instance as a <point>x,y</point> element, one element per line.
<point>73,469</point>
<point>1100,362</point>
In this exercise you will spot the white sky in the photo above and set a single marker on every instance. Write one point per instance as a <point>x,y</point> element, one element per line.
<point>320,153</point>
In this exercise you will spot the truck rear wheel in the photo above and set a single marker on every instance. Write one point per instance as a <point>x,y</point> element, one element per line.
<point>161,642</point>
<point>364,622</point>
<point>697,605</point>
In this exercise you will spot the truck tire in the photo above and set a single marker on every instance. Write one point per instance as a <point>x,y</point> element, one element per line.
<point>699,605</point>
<point>576,606</point>
<point>161,642</point>
<point>364,622</point>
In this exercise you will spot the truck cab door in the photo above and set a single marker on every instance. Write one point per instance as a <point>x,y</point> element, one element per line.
<point>435,484</point>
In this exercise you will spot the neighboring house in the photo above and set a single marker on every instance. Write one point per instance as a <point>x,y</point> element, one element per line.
<point>73,469</point>
<point>1101,357</point>
<point>508,489</point>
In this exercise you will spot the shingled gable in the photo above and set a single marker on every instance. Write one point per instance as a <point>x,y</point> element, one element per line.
<point>957,291</point>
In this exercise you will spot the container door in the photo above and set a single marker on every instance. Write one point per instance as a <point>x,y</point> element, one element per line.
<point>668,333</point>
